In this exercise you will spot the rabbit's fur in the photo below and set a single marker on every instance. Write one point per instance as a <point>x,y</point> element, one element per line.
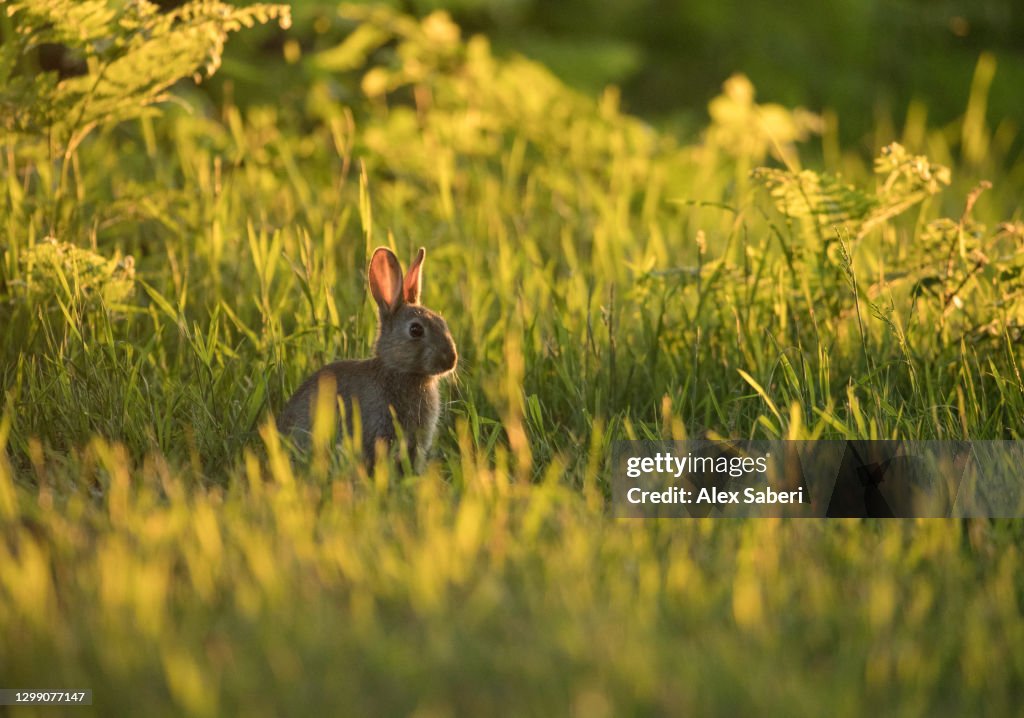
<point>414,349</point>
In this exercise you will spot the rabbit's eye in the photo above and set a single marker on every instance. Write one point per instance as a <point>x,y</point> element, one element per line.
<point>416,329</point>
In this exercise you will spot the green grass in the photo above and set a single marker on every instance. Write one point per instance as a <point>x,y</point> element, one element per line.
<point>603,281</point>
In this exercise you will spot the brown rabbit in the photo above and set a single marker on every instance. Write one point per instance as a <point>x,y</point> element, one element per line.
<point>413,350</point>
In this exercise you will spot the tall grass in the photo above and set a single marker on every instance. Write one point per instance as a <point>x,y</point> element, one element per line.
<point>602,281</point>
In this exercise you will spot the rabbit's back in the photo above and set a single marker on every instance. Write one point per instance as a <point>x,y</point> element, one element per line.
<point>375,391</point>
<point>348,378</point>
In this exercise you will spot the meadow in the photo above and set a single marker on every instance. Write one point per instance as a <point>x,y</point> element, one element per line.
<point>171,267</point>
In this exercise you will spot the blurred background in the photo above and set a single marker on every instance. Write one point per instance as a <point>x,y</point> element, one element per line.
<point>869,61</point>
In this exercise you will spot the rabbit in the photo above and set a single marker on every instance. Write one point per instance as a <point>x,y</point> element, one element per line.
<point>412,352</point>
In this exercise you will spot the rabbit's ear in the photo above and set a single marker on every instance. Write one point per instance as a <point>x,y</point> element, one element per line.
<point>385,280</point>
<point>414,278</point>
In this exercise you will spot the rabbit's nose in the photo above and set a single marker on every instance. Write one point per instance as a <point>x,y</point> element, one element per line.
<point>449,357</point>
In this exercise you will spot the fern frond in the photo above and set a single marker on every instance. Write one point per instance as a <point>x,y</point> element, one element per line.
<point>133,53</point>
<point>822,197</point>
<point>907,180</point>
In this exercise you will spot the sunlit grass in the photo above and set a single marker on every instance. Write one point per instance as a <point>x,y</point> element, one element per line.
<point>602,281</point>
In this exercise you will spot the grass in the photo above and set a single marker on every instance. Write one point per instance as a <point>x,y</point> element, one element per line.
<point>603,281</point>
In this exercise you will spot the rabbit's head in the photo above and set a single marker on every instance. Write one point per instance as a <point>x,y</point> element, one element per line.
<point>411,339</point>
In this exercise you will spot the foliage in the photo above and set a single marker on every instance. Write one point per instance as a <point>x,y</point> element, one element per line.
<point>904,181</point>
<point>603,281</point>
<point>59,269</point>
<point>744,128</point>
<point>132,52</point>
<point>958,262</point>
